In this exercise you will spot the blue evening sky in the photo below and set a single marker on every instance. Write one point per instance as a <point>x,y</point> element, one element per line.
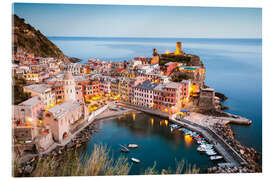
<point>142,21</point>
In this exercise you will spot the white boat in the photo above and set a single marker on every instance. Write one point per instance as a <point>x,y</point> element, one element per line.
<point>200,149</point>
<point>135,160</point>
<point>210,152</point>
<point>133,145</point>
<point>203,148</point>
<point>215,157</point>
<point>206,145</point>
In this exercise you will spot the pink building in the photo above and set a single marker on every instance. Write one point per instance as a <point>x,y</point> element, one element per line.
<point>167,97</point>
<point>169,67</point>
<point>185,85</point>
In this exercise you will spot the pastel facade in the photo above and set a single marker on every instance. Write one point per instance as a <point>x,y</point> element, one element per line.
<point>167,97</point>
<point>69,87</point>
<point>28,114</point>
<point>43,91</point>
<point>144,94</point>
<point>61,117</point>
<point>74,68</point>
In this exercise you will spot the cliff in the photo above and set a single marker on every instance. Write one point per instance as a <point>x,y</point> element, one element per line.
<point>26,38</point>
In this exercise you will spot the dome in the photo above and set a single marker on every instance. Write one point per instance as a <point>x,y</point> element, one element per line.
<point>68,76</point>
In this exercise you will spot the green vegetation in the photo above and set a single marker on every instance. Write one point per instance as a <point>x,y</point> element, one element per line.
<point>98,163</point>
<point>164,58</point>
<point>17,90</point>
<point>27,39</point>
<point>182,167</point>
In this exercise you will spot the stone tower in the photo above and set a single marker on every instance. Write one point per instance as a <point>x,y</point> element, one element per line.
<point>178,48</point>
<point>69,87</point>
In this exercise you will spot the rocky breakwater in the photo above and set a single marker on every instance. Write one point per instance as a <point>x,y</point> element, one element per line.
<point>251,156</point>
<point>56,156</point>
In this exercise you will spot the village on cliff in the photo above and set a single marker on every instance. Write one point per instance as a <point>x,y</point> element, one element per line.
<point>63,98</point>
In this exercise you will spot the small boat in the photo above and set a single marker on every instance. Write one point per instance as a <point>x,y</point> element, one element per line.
<point>201,142</point>
<point>173,125</point>
<point>206,145</point>
<point>124,150</point>
<point>135,160</point>
<point>133,145</point>
<point>210,152</point>
<point>200,149</point>
<point>216,158</point>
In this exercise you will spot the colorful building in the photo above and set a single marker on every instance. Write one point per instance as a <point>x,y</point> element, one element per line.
<point>167,97</point>
<point>144,94</point>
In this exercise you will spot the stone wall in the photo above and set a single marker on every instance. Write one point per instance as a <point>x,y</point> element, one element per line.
<point>207,99</point>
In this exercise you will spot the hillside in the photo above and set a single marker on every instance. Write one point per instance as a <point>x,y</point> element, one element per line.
<point>27,39</point>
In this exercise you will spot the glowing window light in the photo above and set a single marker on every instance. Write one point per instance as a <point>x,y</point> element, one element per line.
<point>152,121</point>
<point>167,52</point>
<point>134,116</point>
<point>166,123</point>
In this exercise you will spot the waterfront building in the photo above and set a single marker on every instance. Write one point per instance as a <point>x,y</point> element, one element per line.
<point>167,97</point>
<point>63,118</point>
<point>144,94</point>
<point>43,91</point>
<point>125,88</point>
<point>207,98</point>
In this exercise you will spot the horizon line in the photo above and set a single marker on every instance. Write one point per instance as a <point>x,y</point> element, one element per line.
<point>154,37</point>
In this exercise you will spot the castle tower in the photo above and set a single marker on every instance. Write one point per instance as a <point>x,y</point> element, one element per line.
<point>178,48</point>
<point>69,87</point>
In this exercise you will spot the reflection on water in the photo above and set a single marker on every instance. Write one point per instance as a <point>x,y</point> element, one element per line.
<point>157,143</point>
<point>234,68</point>
<point>188,140</point>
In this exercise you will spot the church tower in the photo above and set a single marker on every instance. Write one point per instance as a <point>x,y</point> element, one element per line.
<point>69,87</point>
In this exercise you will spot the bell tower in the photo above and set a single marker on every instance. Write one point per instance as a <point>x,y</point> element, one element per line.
<point>69,87</point>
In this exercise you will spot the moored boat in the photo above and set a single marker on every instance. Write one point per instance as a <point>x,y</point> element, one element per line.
<point>216,158</point>
<point>133,145</point>
<point>210,152</point>
<point>135,160</point>
<point>124,150</point>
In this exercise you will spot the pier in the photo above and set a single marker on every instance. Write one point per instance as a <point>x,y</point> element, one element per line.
<point>230,155</point>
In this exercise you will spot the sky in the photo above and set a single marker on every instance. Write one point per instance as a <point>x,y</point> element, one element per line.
<point>141,21</point>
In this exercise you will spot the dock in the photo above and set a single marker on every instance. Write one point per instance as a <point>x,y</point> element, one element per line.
<point>231,157</point>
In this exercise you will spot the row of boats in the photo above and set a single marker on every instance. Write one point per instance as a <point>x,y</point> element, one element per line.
<point>126,150</point>
<point>204,146</point>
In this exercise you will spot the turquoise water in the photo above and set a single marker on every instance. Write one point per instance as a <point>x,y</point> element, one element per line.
<point>156,143</point>
<point>233,67</point>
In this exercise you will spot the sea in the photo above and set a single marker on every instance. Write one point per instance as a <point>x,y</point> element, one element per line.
<point>233,67</point>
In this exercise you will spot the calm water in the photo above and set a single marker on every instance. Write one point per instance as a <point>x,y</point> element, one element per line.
<point>233,67</point>
<point>156,143</point>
